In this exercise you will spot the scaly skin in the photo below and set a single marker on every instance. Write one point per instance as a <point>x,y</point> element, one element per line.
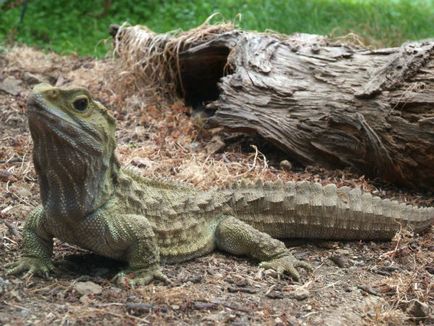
<point>88,200</point>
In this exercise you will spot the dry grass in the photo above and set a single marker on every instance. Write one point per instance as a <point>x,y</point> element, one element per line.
<point>150,61</point>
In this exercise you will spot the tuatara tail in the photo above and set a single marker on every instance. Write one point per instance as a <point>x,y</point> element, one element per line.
<point>310,210</point>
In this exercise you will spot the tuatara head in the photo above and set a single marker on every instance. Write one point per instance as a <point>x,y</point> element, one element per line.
<point>74,143</point>
<point>71,116</point>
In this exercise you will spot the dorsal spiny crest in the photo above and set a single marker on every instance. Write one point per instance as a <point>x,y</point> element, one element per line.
<point>316,196</point>
<point>355,196</point>
<point>302,187</point>
<point>203,199</point>
<point>279,185</point>
<point>290,187</point>
<point>395,208</point>
<point>317,187</point>
<point>377,207</point>
<point>343,194</point>
<point>236,185</point>
<point>367,202</point>
<point>387,208</point>
<point>329,196</point>
<point>302,192</point>
<point>330,189</point>
<point>268,186</point>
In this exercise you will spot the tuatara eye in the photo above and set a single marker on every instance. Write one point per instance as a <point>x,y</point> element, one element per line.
<point>81,104</point>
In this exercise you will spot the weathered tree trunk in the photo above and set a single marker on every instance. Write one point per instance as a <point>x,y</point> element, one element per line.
<point>329,104</point>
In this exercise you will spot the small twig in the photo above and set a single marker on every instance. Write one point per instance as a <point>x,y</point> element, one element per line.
<point>5,210</point>
<point>13,160</point>
<point>12,229</point>
<point>368,289</point>
<point>14,305</point>
<point>45,287</point>
<point>392,253</point>
<point>310,314</point>
<point>331,285</point>
<point>119,304</point>
<point>270,289</point>
<point>10,240</point>
<point>252,167</point>
<point>23,160</point>
<point>101,311</point>
<point>227,305</point>
<point>17,197</point>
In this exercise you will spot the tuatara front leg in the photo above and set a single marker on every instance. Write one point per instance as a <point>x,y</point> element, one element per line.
<point>38,247</point>
<point>239,238</point>
<point>131,238</point>
<point>124,237</point>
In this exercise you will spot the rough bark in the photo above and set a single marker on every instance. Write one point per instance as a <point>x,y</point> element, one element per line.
<point>329,104</point>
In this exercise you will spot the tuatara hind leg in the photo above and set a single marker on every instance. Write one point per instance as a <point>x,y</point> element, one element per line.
<point>239,238</point>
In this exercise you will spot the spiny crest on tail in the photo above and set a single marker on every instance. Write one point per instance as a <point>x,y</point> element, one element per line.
<point>312,198</point>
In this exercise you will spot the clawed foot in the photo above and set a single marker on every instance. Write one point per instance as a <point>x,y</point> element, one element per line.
<point>31,265</point>
<point>286,264</point>
<point>137,277</point>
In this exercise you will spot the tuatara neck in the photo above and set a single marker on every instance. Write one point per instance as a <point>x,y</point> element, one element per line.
<point>73,181</point>
<point>73,184</point>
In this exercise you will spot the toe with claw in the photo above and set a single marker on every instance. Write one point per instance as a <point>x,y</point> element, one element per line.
<point>286,264</point>
<point>138,277</point>
<point>32,266</point>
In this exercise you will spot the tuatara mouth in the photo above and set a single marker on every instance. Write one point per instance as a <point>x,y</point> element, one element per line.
<point>38,106</point>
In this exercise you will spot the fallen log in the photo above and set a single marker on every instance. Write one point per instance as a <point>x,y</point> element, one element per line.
<point>323,102</point>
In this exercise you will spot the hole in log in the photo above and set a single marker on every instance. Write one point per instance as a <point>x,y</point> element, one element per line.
<point>200,73</point>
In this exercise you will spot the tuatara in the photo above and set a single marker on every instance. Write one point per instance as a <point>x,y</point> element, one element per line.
<point>90,201</point>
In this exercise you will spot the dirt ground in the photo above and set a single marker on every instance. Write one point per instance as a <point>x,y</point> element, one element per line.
<point>358,283</point>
